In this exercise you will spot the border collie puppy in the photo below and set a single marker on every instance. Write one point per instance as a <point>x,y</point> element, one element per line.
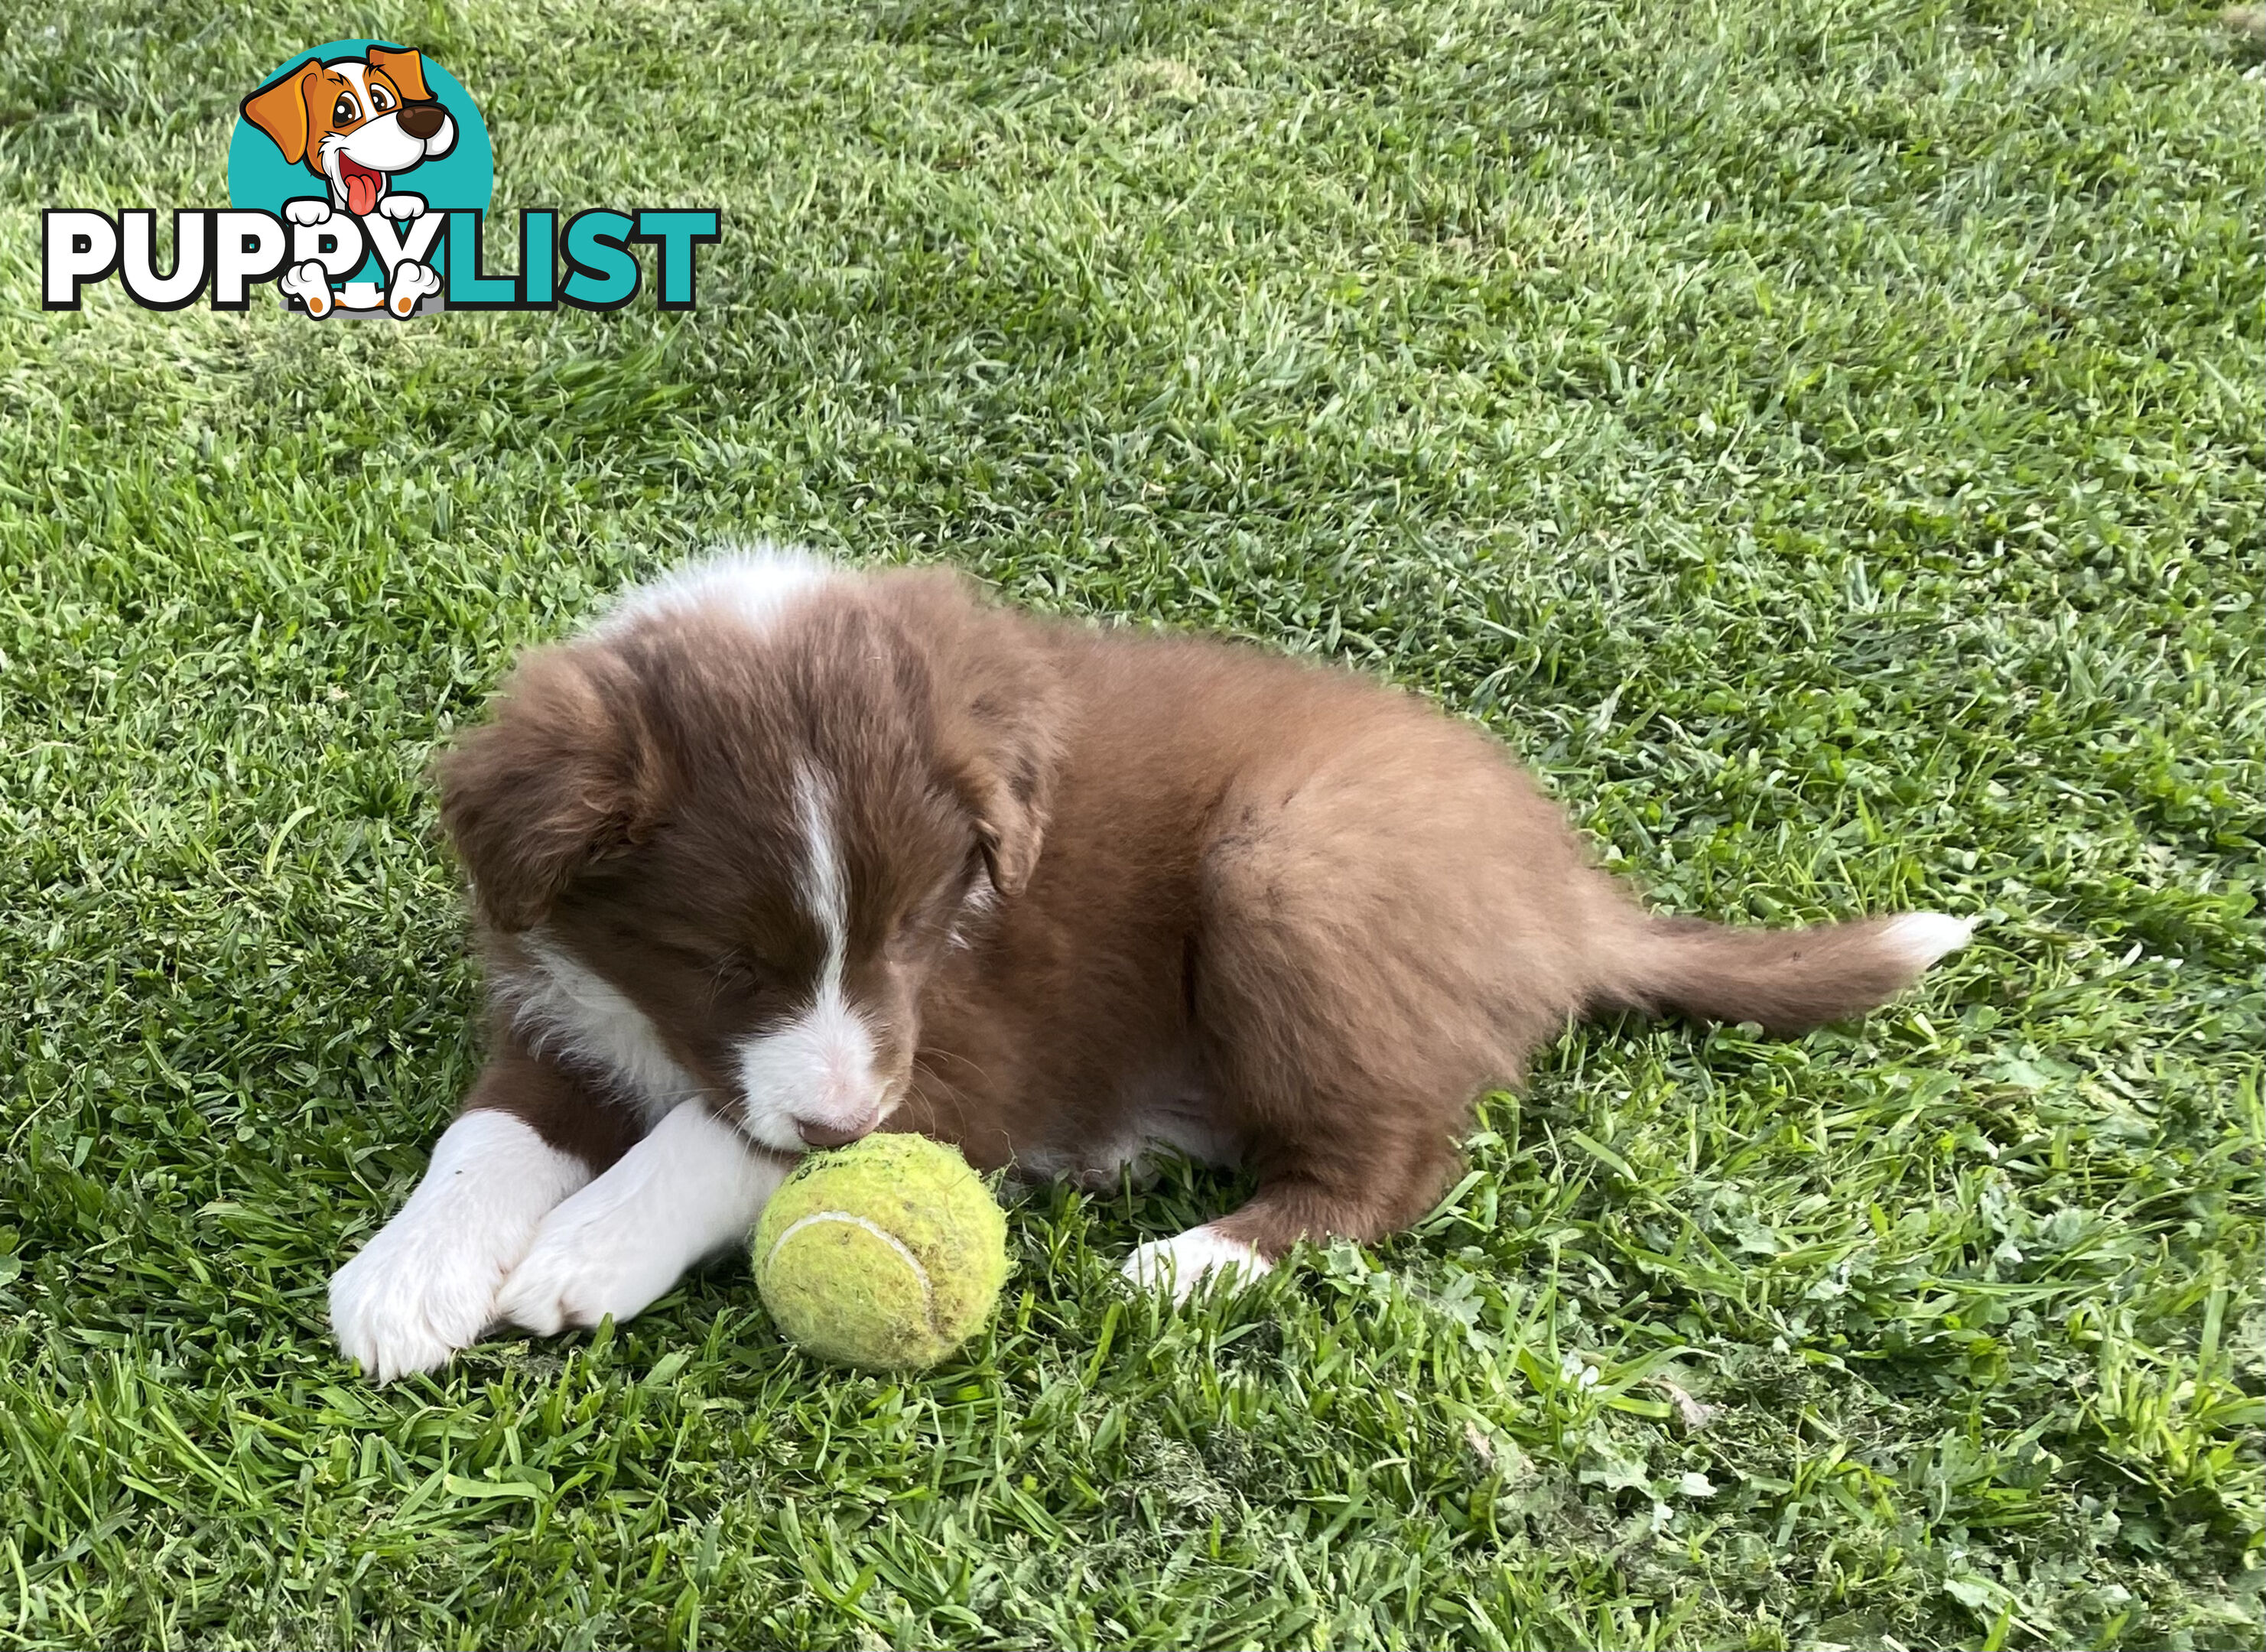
<point>777,854</point>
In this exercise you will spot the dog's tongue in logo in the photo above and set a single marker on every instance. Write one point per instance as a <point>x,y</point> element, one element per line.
<point>363,184</point>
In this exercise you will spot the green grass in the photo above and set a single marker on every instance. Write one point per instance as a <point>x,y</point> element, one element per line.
<point>1824,437</point>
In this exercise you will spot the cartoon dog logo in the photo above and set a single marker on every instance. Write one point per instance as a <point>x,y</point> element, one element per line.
<point>357,123</point>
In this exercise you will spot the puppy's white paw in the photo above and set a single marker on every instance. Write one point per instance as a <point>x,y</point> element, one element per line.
<point>402,206</point>
<point>1186,1261</point>
<point>592,1257</point>
<point>414,1297</point>
<point>411,282</point>
<point>693,1187</point>
<point>426,1286</point>
<point>311,209</point>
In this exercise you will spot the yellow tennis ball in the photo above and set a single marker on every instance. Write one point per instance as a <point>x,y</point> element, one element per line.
<point>888,1254</point>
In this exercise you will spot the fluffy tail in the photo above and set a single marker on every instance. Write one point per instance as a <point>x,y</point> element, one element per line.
<point>1789,980</point>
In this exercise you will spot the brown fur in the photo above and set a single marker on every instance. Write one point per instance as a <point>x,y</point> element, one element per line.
<point>1307,911</point>
<point>569,1111</point>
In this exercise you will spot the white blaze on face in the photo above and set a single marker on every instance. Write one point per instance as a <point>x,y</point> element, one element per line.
<point>818,1068</point>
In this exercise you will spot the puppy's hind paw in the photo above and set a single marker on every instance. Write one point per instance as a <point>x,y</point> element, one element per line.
<point>1186,1262</point>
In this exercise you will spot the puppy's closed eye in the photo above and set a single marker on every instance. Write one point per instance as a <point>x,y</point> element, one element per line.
<point>751,971</point>
<point>751,987</point>
<point>735,968</point>
<point>932,918</point>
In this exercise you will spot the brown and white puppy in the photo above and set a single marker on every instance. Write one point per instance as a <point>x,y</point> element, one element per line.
<point>778,854</point>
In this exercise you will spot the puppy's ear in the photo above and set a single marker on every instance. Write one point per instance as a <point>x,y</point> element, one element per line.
<point>999,707</point>
<point>556,781</point>
<point>405,70</point>
<point>1008,796</point>
<point>280,111</point>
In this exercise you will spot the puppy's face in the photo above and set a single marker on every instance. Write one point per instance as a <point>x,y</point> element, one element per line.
<point>777,927</point>
<point>766,844</point>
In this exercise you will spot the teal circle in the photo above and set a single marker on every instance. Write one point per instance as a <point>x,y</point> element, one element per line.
<point>260,180</point>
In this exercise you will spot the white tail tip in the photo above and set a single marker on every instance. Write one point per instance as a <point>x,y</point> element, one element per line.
<point>1917,940</point>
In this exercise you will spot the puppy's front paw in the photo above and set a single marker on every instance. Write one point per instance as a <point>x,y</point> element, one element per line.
<point>586,1263</point>
<point>1186,1261</point>
<point>402,206</point>
<point>412,1296</point>
<point>426,1286</point>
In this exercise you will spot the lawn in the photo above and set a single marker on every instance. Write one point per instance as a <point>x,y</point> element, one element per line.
<point>1824,437</point>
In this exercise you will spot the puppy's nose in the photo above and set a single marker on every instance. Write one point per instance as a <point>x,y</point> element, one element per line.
<point>421,120</point>
<point>816,1135</point>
